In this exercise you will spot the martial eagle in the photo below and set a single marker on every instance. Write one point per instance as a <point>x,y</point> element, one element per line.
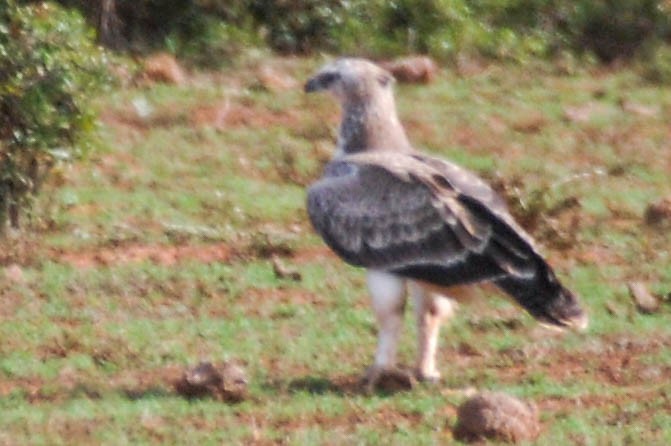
<point>418,223</point>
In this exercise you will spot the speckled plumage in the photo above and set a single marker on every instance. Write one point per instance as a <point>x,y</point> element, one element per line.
<point>384,206</point>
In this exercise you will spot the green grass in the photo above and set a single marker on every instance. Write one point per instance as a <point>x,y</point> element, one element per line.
<point>120,288</point>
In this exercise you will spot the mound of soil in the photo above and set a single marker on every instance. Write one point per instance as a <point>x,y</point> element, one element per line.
<point>497,416</point>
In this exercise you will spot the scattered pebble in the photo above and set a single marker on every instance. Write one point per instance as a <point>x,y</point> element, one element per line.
<point>645,302</point>
<point>226,381</point>
<point>497,416</point>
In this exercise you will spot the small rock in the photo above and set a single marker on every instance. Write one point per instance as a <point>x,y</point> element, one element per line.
<point>645,302</point>
<point>497,416</point>
<point>226,381</point>
<point>14,273</point>
<point>659,214</point>
<point>413,69</point>
<point>530,123</point>
<point>163,67</point>
<point>284,272</point>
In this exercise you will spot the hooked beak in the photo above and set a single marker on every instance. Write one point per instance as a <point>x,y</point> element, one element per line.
<point>320,81</point>
<point>312,85</point>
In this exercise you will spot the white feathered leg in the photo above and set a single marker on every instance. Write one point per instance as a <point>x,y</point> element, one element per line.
<point>430,310</point>
<point>388,296</point>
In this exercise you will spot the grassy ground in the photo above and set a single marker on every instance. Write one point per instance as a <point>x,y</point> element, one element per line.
<point>157,253</point>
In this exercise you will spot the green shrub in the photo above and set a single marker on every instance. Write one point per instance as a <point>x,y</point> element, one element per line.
<point>204,32</point>
<point>503,29</point>
<point>49,68</point>
<point>613,29</point>
<point>298,27</point>
<point>657,68</point>
<point>608,29</point>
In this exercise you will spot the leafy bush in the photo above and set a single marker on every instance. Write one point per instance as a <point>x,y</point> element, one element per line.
<point>205,32</point>
<point>49,68</point>
<point>504,29</point>
<point>298,27</point>
<point>609,29</point>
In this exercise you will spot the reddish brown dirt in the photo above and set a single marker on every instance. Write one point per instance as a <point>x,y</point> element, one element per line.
<point>616,361</point>
<point>619,364</point>
<point>312,254</point>
<point>130,253</point>
<point>225,114</point>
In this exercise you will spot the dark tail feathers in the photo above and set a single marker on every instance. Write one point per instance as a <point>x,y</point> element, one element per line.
<point>546,299</point>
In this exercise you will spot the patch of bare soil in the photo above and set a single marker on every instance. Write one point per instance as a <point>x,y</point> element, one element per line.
<point>131,253</point>
<point>128,122</point>
<point>133,383</point>
<point>387,417</point>
<point>31,386</point>
<point>227,114</point>
<point>312,254</point>
<point>20,251</point>
<point>617,361</point>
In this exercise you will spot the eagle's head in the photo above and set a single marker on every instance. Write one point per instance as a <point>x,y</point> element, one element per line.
<point>352,80</point>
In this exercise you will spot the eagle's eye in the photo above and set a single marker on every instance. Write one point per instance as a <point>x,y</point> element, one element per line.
<point>385,79</point>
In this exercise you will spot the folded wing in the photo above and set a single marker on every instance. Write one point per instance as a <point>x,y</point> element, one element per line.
<point>429,220</point>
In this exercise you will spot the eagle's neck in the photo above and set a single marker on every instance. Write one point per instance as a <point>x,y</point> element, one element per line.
<point>371,125</point>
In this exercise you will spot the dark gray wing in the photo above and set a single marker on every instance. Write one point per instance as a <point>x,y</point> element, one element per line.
<point>420,218</point>
<point>418,226</point>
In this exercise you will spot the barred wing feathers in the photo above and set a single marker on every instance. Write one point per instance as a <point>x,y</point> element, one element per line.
<point>430,220</point>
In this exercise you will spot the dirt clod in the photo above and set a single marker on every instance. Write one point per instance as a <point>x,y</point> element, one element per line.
<point>413,69</point>
<point>497,416</point>
<point>644,300</point>
<point>224,381</point>
<point>659,213</point>
<point>283,271</point>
